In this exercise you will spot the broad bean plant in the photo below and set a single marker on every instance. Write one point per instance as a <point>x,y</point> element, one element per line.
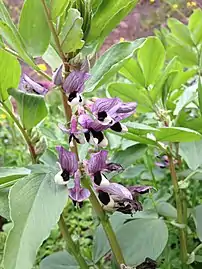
<point>133,137</point>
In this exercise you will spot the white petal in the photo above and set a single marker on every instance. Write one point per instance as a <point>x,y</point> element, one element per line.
<point>104,181</point>
<point>110,206</point>
<point>124,128</point>
<point>59,179</point>
<point>78,100</point>
<point>103,143</point>
<point>108,120</point>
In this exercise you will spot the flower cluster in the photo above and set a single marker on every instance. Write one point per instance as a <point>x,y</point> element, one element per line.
<point>89,121</point>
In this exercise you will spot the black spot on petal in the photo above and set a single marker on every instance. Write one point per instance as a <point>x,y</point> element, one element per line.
<point>97,178</point>
<point>104,197</point>
<point>99,135</point>
<point>102,115</point>
<point>116,127</point>
<point>65,175</point>
<point>87,136</point>
<point>72,96</point>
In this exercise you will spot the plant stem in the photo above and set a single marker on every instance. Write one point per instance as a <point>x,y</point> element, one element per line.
<point>105,223</point>
<point>23,132</point>
<point>71,245</point>
<point>180,216</point>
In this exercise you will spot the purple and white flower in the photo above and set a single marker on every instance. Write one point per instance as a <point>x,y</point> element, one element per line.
<point>110,111</point>
<point>98,164</point>
<point>30,86</point>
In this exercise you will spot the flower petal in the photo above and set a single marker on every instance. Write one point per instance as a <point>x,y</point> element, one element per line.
<point>29,85</point>
<point>97,162</point>
<point>110,167</point>
<point>68,160</point>
<point>57,76</point>
<point>75,82</point>
<point>105,104</point>
<point>127,107</point>
<point>139,189</point>
<point>87,122</point>
<point>118,191</point>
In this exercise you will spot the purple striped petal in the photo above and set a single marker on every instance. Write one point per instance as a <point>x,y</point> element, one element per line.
<point>57,76</point>
<point>105,104</point>
<point>97,162</point>
<point>117,190</point>
<point>127,107</point>
<point>139,189</point>
<point>78,193</point>
<point>87,122</point>
<point>75,82</point>
<point>30,86</point>
<point>68,160</point>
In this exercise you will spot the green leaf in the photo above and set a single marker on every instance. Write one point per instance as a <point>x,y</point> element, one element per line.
<point>139,128</point>
<point>36,203</point>
<point>15,42</point>
<point>132,71</point>
<point>166,209</point>
<point>142,238</point>
<point>177,134</point>
<point>33,27</point>
<point>197,212</point>
<point>191,57</point>
<point>72,34</point>
<point>52,58</point>
<point>110,62</point>
<point>10,73</point>
<point>200,94</point>
<point>8,174</point>
<point>180,32</point>
<point>107,17</point>
<point>191,152</point>
<point>137,138</point>
<point>4,206</point>
<point>32,108</point>
<point>151,57</point>
<point>62,260</point>
<point>195,24</point>
<point>58,7</point>
<point>130,155</point>
<point>131,93</point>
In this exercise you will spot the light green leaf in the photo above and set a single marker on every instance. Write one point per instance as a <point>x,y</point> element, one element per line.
<point>32,108</point>
<point>130,155</point>
<point>8,174</point>
<point>15,42</point>
<point>180,32</point>
<point>197,212</point>
<point>107,17</point>
<point>166,209</point>
<point>71,34</point>
<point>200,94</point>
<point>10,73</point>
<point>131,93</point>
<point>151,57</point>
<point>142,238</point>
<point>4,206</point>
<point>137,138</point>
<point>191,152</point>
<point>110,62</point>
<point>177,134</point>
<point>195,25</point>
<point>139,128</point>
<point>58,7</point>
<point>132,71</point>
<point>191,57</point>
<point>36,203</point>
<point>33,27</point>
<point>62,260</point>
<point>52,58</point>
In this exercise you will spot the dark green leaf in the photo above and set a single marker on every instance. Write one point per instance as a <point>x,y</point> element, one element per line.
<point>177,134</point>
<point>33,27</point>
<point>166,209</point>
<point>130,155</point>
<point>151,57</point>
<point>62,260</point>
<point>36,203</point>
<point>32,108</point>
<point>72,34</point>
<point>195,24</point>
<point>110,62</point>
<point>10,73</point>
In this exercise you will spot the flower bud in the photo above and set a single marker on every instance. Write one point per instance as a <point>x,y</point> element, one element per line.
<point>41,146</point>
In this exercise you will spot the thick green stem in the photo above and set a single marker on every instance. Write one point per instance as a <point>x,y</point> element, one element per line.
<point>70,244</point>
<point>180,215</point>
<point>105,223</point>
<point>23,132</point>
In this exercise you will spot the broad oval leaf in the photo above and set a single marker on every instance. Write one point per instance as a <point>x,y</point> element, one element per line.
<point>10,71</point>
<point>62,260</point>
<point>36,203</point>
<point>8,174</point>
<point>32,108</point>
<point>198,220</point>
<point>151,57</point>
<point>110,62</point>
<point>71,34</point>
<point>195,24</point>
<point>142,238</point>
<point>191,152</point>
<point>33,27</point>
<point>166,209</point>
<point>58,7</point>
<point>177,134</point>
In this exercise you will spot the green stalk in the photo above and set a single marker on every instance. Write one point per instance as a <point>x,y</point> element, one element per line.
<point>180,215</point>
<point>23,132</point>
